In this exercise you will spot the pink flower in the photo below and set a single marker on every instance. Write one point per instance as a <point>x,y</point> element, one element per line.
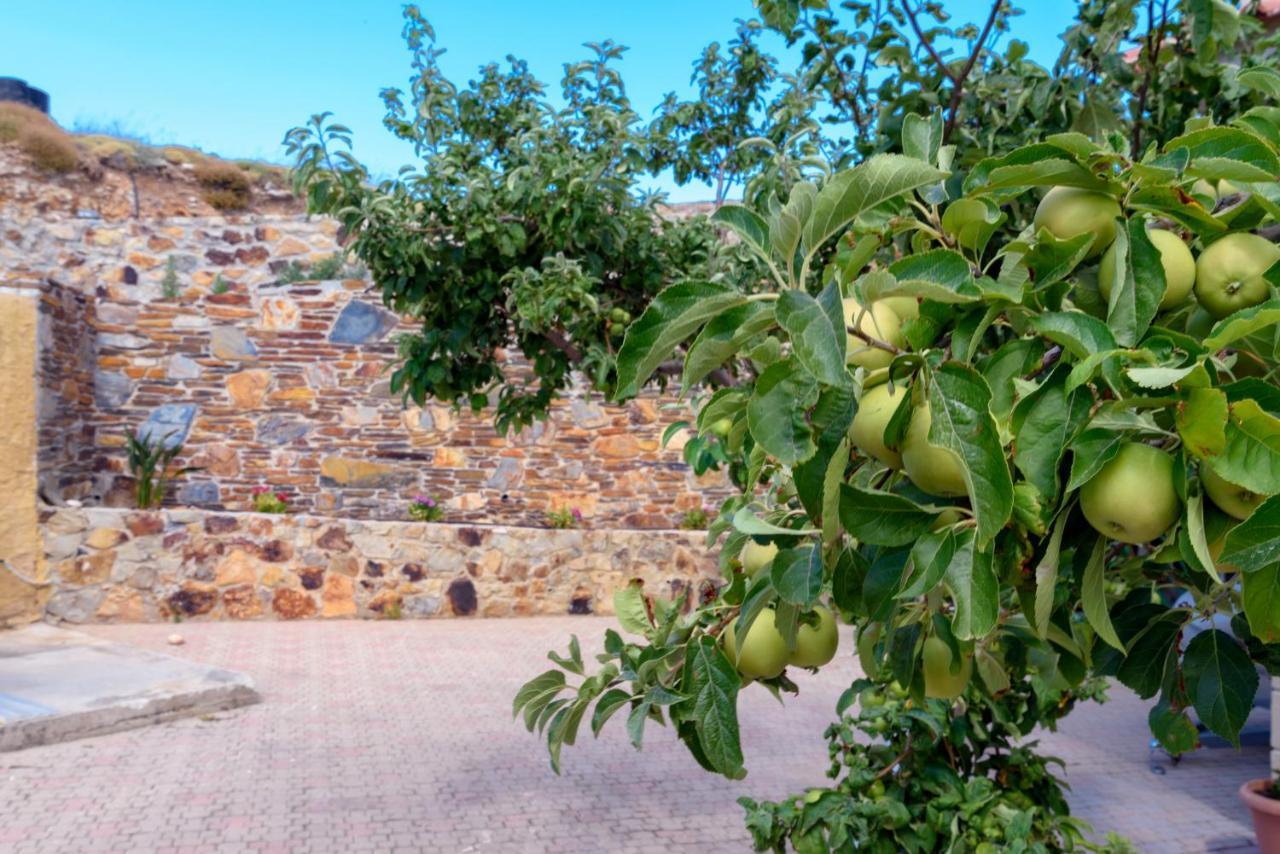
<point>577,514</point>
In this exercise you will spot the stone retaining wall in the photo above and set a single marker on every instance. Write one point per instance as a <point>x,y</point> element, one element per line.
<point>285,385</point>
<point>111,565</point>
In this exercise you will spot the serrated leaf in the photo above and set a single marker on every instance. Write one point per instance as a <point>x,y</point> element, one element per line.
<point>1047,577</point>
<point>854,191</point>
<point>1151,653</point>
<point>776,414</point>
<point>1254,544</point>
<point>722,338</point>
<point>1194,531</point>
<point>1091,450</point>
<point>609,702</point>
<point>971,578</point>
<point>922,136</point>
<point>930,556</point>
<point>797,576</point>
<point>1080,333</point>
<point>548,682</point>
<point>1044,422</point>
<point>1221,682</point>
<point>1261,79</point>
<point>747,224</point>
<point>1251,456</point>
<point>1202,422</point>
<point>881,518</point>
<point>674,315</point>
<point>941,275</point>
<point>817,343</point>
<point>712,685</point>
<point>746,521</point>
<point>961,422</point>
<point>1242,324</point>
<point>1227,153</point>
<point>630,608</point>
<point>1093,595</point>
<point>1139,283</point>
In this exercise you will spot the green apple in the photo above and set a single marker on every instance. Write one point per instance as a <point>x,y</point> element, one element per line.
<point>763,654</point>
<point>879,322</point>
<point>721,427</point>
<point>1175,257</point>
<point>1132,498</point>
<point>937,471</point>
<point>1230,498</point>
<point>907,308</point>
<point>939,682</point>
<point>1203,188</point>
<point>875,408</point>
<point>756,557</point>
<point>946,519</point>
<point>1229,274</point>
<point>868,636</point>
<point>816,645</point>
<point>1227,188</point>
<point>1067,212</point>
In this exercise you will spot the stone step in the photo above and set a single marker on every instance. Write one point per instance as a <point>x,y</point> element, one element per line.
<point>58,685</point>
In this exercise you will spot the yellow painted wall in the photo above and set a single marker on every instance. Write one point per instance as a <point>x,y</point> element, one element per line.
<point>23,573</point>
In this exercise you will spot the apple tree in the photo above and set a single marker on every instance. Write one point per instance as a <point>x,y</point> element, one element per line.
<point>996,419</point>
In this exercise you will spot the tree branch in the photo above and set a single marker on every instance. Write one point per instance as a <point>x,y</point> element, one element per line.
<point>874,342</point>
<point>957,80</point>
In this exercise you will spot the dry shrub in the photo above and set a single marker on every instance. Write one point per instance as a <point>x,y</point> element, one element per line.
<point>226,186</point>
<point>120,153</point>
<point>15,118</point>
<point>50,149</point>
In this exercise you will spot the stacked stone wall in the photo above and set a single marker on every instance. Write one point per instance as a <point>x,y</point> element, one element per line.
<point>187,329</point>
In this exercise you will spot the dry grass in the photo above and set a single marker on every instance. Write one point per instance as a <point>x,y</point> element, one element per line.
<point>50,149</point>
<point>15,118</point>
<point>226,186</point>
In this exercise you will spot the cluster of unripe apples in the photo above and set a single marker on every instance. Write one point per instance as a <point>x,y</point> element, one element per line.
<point>1132,498</point>
<point>763,654</point>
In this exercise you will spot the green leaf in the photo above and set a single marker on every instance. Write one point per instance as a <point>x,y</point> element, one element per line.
<point>1227,153</point>
<point>1261,79</point>
<point>816,342</point>
<point>723,337</point>
<point>1254,544</point>
<point>746,521</point>
<point>673,316</point>
<point>1091,450</point>
<point>1242,324</point>
<point>712,686</point>
<point>1093,595</point>
<point>1221,682</point>
<point>609,702</point>
<point>972,580</point>
<point>1260,592</point>
<point>1047,576</point>
<point>1139,283</point>
<point>961,422</point>
<point>992,674</point>
<point>941,275</point>
<point>776,414</point>
<point>630,607</point>
<point>1202,422</point>
<point>930,556</point>
<point>797,575</point>
<point>747,224</point>
<point>1054,171</point>
<point>1080,333</point>
<point>548,683</point>
<point>1096,118</point>
<point>1152,652</point>
<point>1251,457</point>
<point>1174,730</point>
<point>855,191</point>
<point>1044,422</point>
<point>881,518</point>
<point>921,136</point>
<point>1193,531</point>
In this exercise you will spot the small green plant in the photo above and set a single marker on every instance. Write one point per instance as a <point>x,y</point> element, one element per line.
<point>424,508</point>
<point>324,269</point>
<point>220,285</point>
<point>170,287</point>
<point>150,459</point>
<point>391,610</point>
<point>564,517</point>
<point>694,520</point>
<point>267,500</point>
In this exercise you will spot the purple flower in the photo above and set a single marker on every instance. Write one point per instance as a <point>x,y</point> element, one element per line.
<point>422,499</point>
<point>430,502</point>
<point>577,514</point>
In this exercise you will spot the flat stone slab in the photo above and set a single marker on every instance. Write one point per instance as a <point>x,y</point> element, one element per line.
<point>58,685</point>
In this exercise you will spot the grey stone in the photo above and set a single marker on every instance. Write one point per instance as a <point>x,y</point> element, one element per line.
<point>281,430</point>
<point>421,606</point>
<point>508,474</point>
<point>111,391</point>
<point>122,341</point>
<point>169,423</point>
<point>199,492</point>
<point>182,368</point>
<point>360,323</point>
<point>586,415</point>
<point>231,344</point>
<point>63,685</point>
<point>185,263</point>
<point>75,605</point>
<point>117,314</point>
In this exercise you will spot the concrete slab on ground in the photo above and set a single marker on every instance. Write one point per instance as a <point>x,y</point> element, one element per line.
<point>57,685</point>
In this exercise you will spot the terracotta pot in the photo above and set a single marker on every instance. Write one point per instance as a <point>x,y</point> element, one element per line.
<point>1266,815</point>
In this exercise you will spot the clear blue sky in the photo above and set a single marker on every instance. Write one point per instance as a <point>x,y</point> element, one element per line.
<point>231,77</point>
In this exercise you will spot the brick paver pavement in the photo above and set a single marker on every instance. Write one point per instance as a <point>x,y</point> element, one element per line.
<point>397,736</point>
